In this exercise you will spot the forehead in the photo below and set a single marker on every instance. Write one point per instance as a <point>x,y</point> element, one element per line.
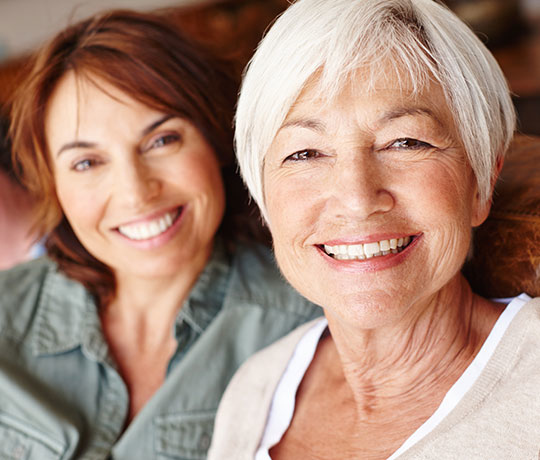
<point>75,92</point>
<point>386,92</point>
<point>84,105</point>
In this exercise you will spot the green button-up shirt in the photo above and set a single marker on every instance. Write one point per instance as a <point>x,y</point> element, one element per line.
<point>61,396</point>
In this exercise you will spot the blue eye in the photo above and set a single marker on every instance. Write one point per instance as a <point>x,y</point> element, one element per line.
<point>84,165</point>
<point>410,144</point>
<point>164,140</point>
<point>303,155</point>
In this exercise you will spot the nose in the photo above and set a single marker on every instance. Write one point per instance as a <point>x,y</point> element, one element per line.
<point>360,186</point>
<point>136,183</point>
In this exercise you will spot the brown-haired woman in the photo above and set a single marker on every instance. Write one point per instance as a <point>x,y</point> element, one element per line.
<point>121,342</point>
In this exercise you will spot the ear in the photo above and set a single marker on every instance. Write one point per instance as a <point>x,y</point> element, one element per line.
<point>480,211</point>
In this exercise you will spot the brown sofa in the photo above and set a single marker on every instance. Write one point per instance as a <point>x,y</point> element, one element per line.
<point>506,258</point>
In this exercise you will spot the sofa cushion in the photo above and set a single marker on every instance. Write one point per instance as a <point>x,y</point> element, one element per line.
<point>506,257</point>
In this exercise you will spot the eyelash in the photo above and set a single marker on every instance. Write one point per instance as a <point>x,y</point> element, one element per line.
<point>164,140</point>
<point>306,155</point>
<point>84,165</point>
<point>419,144</point>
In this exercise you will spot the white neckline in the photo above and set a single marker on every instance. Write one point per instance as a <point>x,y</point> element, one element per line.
<point>284,399</point>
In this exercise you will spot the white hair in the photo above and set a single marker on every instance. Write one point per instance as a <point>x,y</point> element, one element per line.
<point>420,39</point>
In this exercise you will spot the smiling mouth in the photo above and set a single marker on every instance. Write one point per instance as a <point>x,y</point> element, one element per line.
<point>367,250</point>
<point>148,230</point>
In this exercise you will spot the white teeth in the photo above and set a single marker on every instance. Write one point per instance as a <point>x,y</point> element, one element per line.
<point>356,250</point>
<point>163,225</point>
<point>385,245</point>
<point>144,232</point>
<point>147,230</point>
<point>368,250</point>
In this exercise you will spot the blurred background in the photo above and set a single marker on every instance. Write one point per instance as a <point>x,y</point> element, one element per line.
<point>511,28</point>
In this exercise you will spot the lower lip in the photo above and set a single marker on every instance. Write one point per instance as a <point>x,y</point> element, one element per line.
<point>159,240</point>
<point>371,265</point>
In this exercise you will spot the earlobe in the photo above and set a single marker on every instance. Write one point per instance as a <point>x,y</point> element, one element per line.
<point>481,209</point>
<point>498,168</point>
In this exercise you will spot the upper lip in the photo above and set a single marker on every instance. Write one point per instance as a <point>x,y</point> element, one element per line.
<point>350,241</point>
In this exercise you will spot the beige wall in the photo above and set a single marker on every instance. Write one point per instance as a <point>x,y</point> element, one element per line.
<point>26,23</point>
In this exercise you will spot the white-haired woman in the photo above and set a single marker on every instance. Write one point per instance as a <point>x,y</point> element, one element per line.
<point>371,134</point>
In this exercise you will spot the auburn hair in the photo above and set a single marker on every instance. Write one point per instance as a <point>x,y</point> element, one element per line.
<point>145,56</point>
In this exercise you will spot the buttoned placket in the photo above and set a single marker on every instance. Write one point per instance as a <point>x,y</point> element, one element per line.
<point>114,397</point>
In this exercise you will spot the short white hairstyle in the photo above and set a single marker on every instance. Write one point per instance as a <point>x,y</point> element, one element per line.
<point>422,40</point>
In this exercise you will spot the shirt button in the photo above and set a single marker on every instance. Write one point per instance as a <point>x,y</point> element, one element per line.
<point>18,452</point>
<point>204,442</point>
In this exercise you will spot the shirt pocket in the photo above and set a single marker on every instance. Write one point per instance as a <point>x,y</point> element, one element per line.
<point>183,436</point>
<point>18,441</point>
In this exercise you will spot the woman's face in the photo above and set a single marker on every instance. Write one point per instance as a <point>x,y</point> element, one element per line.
<point>141,189</point>
<point>370,200</point>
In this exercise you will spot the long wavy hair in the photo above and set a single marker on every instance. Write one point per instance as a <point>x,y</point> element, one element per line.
<point>145,56</point>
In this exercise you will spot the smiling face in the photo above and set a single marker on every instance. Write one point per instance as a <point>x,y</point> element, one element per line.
<point>370,200</point>
<point>141,189</point>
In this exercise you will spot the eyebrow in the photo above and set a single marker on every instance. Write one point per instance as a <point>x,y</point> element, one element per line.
<point>75,145</point>
<point>408,111</point>
<point>307,123</point>
<point>89,145</point>
<point>157,123</point>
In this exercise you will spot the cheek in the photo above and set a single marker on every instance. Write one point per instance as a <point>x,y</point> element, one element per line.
<point>80,206</point>
<point>201,177</point>
<point>444,207</point>
<point>292,203</point>
<point>292,218</point>
<point>437,190</point>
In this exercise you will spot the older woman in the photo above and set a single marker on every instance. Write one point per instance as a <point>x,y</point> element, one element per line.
<point>120,344</point>
<point>371,133</point>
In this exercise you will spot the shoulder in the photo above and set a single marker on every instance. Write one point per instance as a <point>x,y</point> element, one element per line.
<point>256,279</point>
<point>247,400</point>
<point>519,347</point>
<point>23,281</point>
<point>256,375</point>
<point>528,323</point>
<point>24,288</point>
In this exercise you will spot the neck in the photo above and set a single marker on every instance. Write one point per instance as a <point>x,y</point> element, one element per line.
<point>146,308</point>
<point>421,355</point>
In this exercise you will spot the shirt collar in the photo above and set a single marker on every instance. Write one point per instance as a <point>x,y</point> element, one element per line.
<point>207,296</point>
<point>67,315</point>
<point>64,307</point>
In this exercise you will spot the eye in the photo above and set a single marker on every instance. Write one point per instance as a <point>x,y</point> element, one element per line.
<point>303,155</point>
<point>410,144</point>
<point>84,165</point>
<point>164,140</point>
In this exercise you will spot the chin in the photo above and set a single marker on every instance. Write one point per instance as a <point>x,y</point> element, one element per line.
<point>364,310</point>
